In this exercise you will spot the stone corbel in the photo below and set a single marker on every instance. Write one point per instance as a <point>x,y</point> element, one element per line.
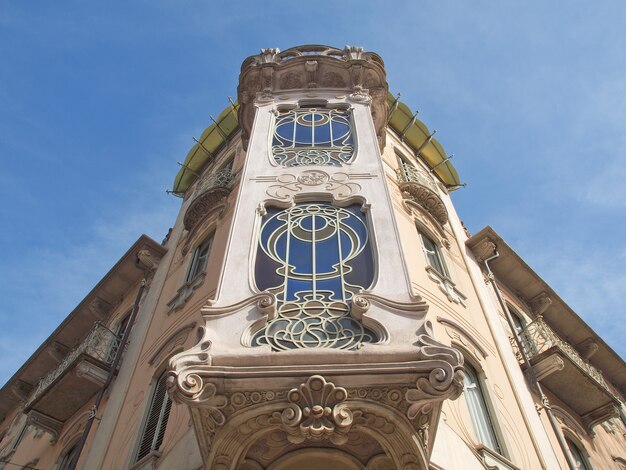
<point>45,423</point>
<point>22,390</point>
<point>588,348</point>
<point>147,259</point>
<point>91,372</point>
<point>100,308</point>
<point>317,412</point>
<point>484,249</point>
<point>598,415</point>
<point>540,303</point>
<point>58,351</point>
<point>548,365</point>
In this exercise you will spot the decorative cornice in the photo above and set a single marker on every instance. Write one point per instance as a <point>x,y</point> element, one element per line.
<point>313,67</point>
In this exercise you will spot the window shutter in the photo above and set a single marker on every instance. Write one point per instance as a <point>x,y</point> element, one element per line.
<point>154,429</point>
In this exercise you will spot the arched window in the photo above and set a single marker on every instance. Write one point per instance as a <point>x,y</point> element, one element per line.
<point>479,413</point>
<point>581,462</point>
<point>312,136</point>
<point>69,458</point>
<point>156,421</point>
<point>314,257</point>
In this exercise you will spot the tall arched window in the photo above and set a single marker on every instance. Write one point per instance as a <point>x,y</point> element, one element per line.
<point>581,462</point>
<point>479,413</point>
<point>314,257</point>
<point>313,136</point>
<point>69,458</point>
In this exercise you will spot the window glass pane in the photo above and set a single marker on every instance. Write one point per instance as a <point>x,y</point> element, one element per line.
<point>314,258</point>
<point>200,259</point>
<point>433,256</point>
<point>478,410</point>
<point>581,462</point>
<point>312,136</point>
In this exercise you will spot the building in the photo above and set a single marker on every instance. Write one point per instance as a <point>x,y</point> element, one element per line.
<point>318,304</point>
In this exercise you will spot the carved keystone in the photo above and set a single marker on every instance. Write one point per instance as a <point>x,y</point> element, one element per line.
<point>317,412</point>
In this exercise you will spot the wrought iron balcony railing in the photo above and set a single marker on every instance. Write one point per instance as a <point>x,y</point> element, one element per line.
<point>537,337</point>
<point>101,344</point>
<point>411,174</point>
<point>223,178</point>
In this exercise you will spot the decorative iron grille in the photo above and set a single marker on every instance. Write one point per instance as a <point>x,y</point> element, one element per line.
<point>412,174</point>
<point>223,178</point>
<point>312,136</point>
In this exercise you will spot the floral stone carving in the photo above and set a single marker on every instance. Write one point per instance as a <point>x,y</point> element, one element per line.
<point>317,412</point>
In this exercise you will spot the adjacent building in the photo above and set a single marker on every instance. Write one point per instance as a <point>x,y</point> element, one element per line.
<point>318,304</point>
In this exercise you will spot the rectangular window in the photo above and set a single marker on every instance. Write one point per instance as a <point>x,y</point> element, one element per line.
<point>156,422</point>
<point>479,413</point>
<point>200,258</point>
<point>433,255</point>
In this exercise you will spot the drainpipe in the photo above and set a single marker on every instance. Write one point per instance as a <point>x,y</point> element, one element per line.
<point>113,369</point>
<point>529,368</point>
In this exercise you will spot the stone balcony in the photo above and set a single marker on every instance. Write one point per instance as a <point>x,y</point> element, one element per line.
<point>75,380</point>
<point>209,195</point>
<point>561,369</point>
<point>418,186</point>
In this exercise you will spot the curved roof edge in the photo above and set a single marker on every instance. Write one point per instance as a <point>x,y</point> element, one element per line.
<point>411,130</point>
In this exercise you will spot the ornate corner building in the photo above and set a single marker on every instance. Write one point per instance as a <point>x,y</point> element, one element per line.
<point>318,304</point>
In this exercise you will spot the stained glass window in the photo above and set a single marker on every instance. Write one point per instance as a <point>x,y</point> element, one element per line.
<point>314,257</point>
<point>313,136</point>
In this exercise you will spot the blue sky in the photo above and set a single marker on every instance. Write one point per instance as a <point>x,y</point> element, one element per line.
<point>98,100</point>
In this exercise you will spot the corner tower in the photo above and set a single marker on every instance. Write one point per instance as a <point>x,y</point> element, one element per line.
<point>315,342</point>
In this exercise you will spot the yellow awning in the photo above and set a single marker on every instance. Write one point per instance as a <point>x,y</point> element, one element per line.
<point>417,136</point>
<point>209,143</point>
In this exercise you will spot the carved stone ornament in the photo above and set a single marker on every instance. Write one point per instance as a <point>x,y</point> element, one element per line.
<point>444,381</point>
<point>313,67</point>
<point>317,412</point>
<point>203,205</point>
<point>447,287</point>
<point>484,249</point>
<point>340,185</point>
<point>427,199</point>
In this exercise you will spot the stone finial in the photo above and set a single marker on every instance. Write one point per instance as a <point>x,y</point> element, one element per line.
<point>540,303</point>
<point>100,308</point>
<point>588,348</point>
<point>484,249</point>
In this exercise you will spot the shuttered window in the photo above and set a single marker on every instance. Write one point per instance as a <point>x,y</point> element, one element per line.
<point>154,429</point>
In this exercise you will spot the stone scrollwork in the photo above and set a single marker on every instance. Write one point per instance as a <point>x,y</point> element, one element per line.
<point>317,412</point>
<point>286,186</point>
<point>444,381</point>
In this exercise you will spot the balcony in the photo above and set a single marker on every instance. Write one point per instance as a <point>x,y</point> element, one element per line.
<point>210,195</point>
<point>418,186</point>
<point>77,378</point>
<point>562,370</point>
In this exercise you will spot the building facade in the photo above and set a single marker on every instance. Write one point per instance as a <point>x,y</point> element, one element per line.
<point>318,304</point>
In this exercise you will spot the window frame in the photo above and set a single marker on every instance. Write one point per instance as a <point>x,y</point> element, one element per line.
<point>436,252</point>
<point>576,449</point>
<point>483,399</point>
<point>194,267</point>
<point>160,427</point>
